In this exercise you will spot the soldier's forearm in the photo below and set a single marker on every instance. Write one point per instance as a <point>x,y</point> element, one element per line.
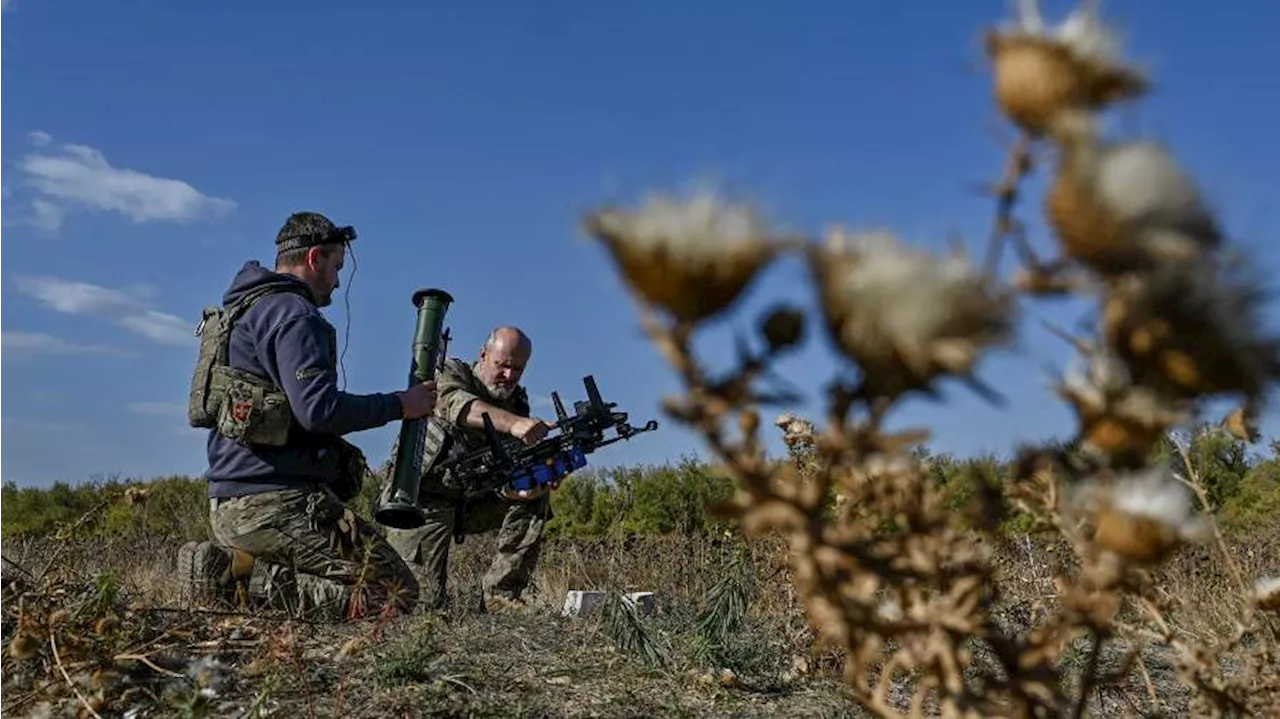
<point>306,372</point>
<point>502,420</point>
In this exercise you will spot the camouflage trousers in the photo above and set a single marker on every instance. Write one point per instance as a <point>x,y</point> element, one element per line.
<point>316,555</point>
<point>520,528</point>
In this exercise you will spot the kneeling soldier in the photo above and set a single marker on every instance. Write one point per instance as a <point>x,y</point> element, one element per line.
<point>279,470</point>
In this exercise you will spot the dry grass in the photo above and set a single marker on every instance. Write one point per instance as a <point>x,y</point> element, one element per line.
<point>1127,599</point>
<point>153,653</point>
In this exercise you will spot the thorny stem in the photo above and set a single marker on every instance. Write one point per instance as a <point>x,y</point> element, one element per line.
<point>1006,193</point>
<point>1197,486</point>
<point>65,532</point>
<point>1089,678</point>
<point>673,343</point>
<point>836,561</point>
<point>1151,687</point>
<point>20,568</point>
<point>23,700</point>
<point>53,644</point>
<point>825,586</point>
<point>143,658</point>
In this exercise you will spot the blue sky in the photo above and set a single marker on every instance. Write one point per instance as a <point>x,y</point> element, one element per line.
<point>149,148</point>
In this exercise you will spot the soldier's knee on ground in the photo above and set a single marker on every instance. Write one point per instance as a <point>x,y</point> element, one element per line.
<point>211,572</point>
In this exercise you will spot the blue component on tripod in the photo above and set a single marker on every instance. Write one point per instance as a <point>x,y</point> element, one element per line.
<point>543,473</point>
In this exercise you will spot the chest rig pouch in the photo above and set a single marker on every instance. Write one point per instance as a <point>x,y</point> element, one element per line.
<point>440,444</point>
<point>239,405</point>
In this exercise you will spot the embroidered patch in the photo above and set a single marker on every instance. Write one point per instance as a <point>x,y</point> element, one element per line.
<point>240,411</point>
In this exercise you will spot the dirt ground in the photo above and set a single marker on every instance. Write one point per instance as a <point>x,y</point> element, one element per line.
<point>123,644</point>
<point>96,627</point>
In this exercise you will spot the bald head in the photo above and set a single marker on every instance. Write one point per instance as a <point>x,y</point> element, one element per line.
<point>502,360</point>
<point>509,339</point>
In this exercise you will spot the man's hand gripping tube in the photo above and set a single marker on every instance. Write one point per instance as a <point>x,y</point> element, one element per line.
<point>401,510</point>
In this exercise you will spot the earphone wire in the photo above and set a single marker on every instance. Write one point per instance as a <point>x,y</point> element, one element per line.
<point>346,302</point>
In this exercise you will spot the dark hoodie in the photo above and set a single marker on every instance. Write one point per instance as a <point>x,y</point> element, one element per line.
<point>285,338</point>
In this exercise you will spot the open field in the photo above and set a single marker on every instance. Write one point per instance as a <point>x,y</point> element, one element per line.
<point>1129,569</point>
<point>696,656</point>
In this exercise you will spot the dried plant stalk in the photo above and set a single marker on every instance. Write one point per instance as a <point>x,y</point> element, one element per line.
<point>899,582</point>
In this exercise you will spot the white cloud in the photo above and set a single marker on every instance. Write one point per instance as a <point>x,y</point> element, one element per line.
<point>160,327</point>
<point>77,176</point>
<point>23,345</point>
<point>159,409</point>
<point>124,309</point>
<point>48,215</point>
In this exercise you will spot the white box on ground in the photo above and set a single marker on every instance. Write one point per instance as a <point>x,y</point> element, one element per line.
<point>580,602</point>
<point>643,602</point>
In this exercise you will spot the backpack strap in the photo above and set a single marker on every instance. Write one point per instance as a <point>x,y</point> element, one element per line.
<point>213,380</point>
<point>235,310</point>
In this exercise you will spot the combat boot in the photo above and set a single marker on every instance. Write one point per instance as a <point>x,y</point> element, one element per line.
<point>209,573</point>
<point>497,602</point>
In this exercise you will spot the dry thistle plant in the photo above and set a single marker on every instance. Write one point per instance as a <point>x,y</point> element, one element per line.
<point>900,584</point>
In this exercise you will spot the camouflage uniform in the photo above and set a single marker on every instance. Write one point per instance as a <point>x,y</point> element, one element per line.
<point>315,556</point>
<point>520,525</point>
<point>266,386</point>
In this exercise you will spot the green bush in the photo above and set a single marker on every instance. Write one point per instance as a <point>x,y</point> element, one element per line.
<point>1256,502</point>
<point>1221,461</point>
<point>646,499</point>
<point>675,497</point>
<point>168,506</point>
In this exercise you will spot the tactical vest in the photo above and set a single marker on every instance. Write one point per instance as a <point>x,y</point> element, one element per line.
<point>239,405</point>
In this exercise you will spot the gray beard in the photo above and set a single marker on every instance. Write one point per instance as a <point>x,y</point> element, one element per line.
<point>502,393</point>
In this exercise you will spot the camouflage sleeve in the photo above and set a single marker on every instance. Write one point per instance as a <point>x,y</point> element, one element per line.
<point>453,392</point>
<point>299,353</point>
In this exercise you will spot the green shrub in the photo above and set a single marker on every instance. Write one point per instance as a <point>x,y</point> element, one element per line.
<point>675,497</point>
<point>649,499</point>
<point>167,506</point>
<point>1256,502</point>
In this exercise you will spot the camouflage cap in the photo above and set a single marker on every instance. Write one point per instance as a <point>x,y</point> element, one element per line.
<point>307,229</point>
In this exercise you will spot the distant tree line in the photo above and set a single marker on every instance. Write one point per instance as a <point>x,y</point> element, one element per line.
<point>1243,488</point>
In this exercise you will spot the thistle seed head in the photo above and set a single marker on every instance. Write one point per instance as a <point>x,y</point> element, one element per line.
<point>783,328</point>
<point>1041,71</point>
<point>1266,593</point>
<point>906,316</point>
<point>23,646</point>
<point>794,428</point>
<point>1193,329</point>
<point>1126,206</point>
<point>1143,183</point>
<point>690,257</point>
<point>1242,423</point>
<point>1145,515</point>
<point>1117,419</point>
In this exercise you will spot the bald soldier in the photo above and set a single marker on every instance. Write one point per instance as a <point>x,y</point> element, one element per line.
<point>465,392</point>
